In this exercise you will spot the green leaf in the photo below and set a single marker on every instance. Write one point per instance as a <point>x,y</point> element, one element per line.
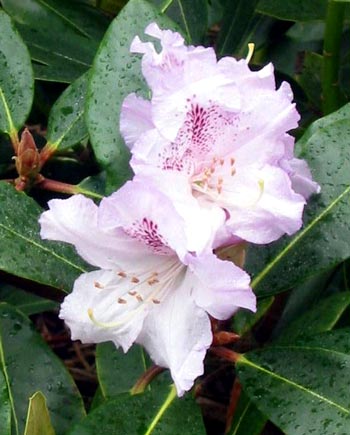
<point>24,253</point>
<point>16,78</point>
<point>30,365</point>
<point>62,36</point>
<point>320,318</point>
<point>66,123</point>
<point>301,299</point>
<point>38,418</point>
<point>244,320</point>
<point>24,301</point>
<point>115,74</point>
<point>155,412</point>
<point>239,19</point>
<point>190,15</point>
<point>5,408</point>
<point>247,420</point>
<point>303,388</point>
<point>118,372</point>
<point>294,10</point>
<point>324,240</point>
<point>310,78</point>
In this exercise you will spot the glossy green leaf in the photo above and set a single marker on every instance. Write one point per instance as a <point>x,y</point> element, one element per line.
<point>320,318</point>
<point>157,412</point>
<point>301,299</point>
<point>66,123</point>
<point>244,320</point>
<point>24,253</point>
<point>239,19</point>
<point>310,78</point>
<point>247,419</point>
<point>118,372</point>
<point>16,78</point>
<point>294,10</point>
<point>30,365</point>
<point>115,74</point>
<point>324,240</point>
<point>304,387</point>
<point>62,36</point>
<point>24,301</point>
<point>190,15</point>
<point>38,417</point>
<point>5,408</point>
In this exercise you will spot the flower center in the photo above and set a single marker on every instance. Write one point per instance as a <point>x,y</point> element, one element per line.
<point>128,294</point>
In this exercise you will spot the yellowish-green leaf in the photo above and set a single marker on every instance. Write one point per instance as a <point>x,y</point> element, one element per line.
<point>38,417</point>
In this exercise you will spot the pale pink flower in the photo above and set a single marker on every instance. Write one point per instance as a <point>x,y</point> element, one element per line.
<point>224,128</point>
<point>157,282</point>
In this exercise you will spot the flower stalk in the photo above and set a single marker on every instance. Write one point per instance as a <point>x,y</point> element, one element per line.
<point>331,56</point>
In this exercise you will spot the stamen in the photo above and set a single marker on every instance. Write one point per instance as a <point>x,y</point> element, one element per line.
<point>153,281</point>
<point>122,301</point>
<point>156,301</point>
<point>132,293</point>
<point>122,274</point>
<point>139,297</point>
<point>232,161</point>
<point>98,285</point>
<point>222,161</point>
<point>135,280</point>
<point>251,47</point>
<point>101,324</point>
<point>233,171</point>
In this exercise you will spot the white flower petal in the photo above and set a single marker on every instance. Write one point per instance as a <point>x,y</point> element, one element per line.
<point>177,334</point>
<point>220,287</point>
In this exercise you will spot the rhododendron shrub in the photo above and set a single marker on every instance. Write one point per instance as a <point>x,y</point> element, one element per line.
<point>174,226</point>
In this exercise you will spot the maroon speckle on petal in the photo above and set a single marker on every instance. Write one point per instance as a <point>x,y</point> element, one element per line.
<point>146,231</point>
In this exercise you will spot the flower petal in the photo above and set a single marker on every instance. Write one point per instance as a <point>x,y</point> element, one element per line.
<point>135,118</point>
<point>177,334</point>
<point>301,177</point>
<point>220,287</point>
<point>92,309</point>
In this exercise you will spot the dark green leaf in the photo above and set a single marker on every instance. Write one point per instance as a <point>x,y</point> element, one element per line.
<point>5,408</point>
<point>26,302</point>
<point>16,78</point>
<point>303,388</point>
<point>24,253</point>
<point>30,365</point>
<point>294,10</point>
<point>247,420</point>
<point>239,19</point>
<point>244,320</point>
<point>38,418</point>
<point>155,412</point>
<point>190,15</point>
<point>118,372</point>
<point>320,318</point>
<point>324,240</point>
<point>301,299</point>
<point>66,123</point>
<point>62,36</point>
<point>115,74</point>
<point>310,78</point>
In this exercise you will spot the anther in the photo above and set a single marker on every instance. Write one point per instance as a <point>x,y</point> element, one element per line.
<point>132,293</point>
<point>156,301</point>
<point>139,298</point>
<point>222,161</point>
<point>153,281</point>
<point>232,161</point>
<point>135,280</point>
<point>122,274</point>
<point>233,171</point>
<point>98,285</point>
<point>121,301</point>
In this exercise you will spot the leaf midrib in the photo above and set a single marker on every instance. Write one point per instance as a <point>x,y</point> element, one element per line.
<point>65,19</point>
<point>244,360</point>
<point>77,118</point>
<point>297,238</point>
<point>11,126</point>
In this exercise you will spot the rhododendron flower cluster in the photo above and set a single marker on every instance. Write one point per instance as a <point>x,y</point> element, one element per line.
<point>214,167</point>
